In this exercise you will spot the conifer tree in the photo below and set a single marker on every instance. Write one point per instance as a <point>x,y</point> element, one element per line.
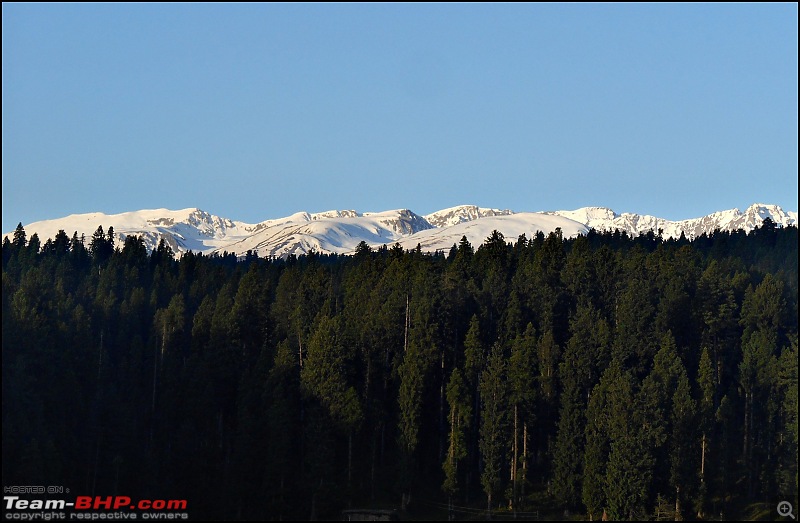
<point>324,376</point>
<point>682,447</point>
<point>460,413</point>
<point>585,357</point>
<point>34,244</point>
<point>522,370</point>
<point>705,414</point>
<point>630,462</point>
<point>203,354</point>
<point>474,353</point>
<point>411,383</point>
<point>634,319</point>
<point>597,446</point>
<point>281,393</point>
<point>99,247</point>
<point>568,453</point>
<point>474,365</point>
<point>493,421</point>
<point>20,238</point>
<point>788,449</point>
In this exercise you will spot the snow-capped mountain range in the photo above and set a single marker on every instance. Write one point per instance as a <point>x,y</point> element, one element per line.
<point>341,231</point>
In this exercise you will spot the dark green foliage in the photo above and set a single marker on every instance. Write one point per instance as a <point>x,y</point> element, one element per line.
<point>324,375</point>
<point>474,353</point>
<point>20,237</point>
<point>597,447</point>
<point>682,443</point>
<point>788,429</point>
<point>585,358</point>
<point>522,396</point>
<point>460,412</point>
<point>706,406</point>
<point>629,470</point>
<point>568,454</point>
<point>493,420</point>
<point>634,316</point>
<point>635,378</point>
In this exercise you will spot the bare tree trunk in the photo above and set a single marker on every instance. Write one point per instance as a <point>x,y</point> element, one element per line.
<point>300,348</point>
<point>405,338</point>
<point>451,453</point>
<point>164,337</point>
<point>524,457</point>
<point>703,460</point>
<point>405,500</point>
<point>514,462</point>
<point>746,430</point>
<point>700,511</point>
<point>441,414</point>
<point>748,419</point>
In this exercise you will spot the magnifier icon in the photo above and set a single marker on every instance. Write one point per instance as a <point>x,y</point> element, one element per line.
<point>785,509</point>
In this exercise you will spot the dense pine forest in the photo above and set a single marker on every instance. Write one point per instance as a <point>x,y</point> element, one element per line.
<point>603,375</point>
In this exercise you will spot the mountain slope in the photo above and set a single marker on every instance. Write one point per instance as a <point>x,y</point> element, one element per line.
<point>340,235</point>
<point>478,230</point>
<point>461,214</point>
<point>341,231</point>
<point>603,219</point>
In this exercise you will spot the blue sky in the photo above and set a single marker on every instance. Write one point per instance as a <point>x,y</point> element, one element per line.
<point>259,111</point>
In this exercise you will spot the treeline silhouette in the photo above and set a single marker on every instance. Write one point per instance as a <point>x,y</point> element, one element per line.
<point>612,376</point>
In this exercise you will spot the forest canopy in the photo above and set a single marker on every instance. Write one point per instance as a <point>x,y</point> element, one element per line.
<point>603,374</point>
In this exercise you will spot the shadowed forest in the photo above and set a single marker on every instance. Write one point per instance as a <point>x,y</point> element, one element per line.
<point>604,375</point>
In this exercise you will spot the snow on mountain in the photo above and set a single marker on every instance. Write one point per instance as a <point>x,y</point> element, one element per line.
<point>341,231</point>
<point>461,214</point>
<point>183,230</point>
<point>330,233</point>
<point>478,230</point>
<point>603,219</point>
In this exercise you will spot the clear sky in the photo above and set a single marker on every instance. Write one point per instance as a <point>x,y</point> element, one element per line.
<point>258,111</point>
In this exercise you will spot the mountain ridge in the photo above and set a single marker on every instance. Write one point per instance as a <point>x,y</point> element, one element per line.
<point>340,231</point>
